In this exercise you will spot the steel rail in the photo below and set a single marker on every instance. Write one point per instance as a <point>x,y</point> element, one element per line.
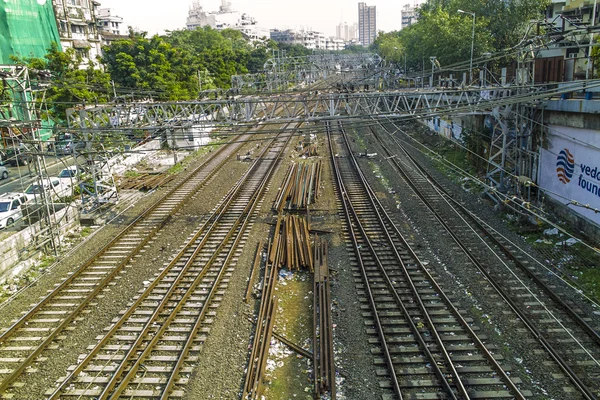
<point>456,313</point>
<point>561,362</point>
<point>209,225</point>
<point>81,365</point>
<point>595,335</point>
<point>258,195</point>
<point>371,297</point>
<point>260,343</point>
<point>257,258</point>
<point>435,365</point>
<point>6,382</point>
<point>323,358</point>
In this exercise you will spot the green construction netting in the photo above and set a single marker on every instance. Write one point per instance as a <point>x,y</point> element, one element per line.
<point>27,28</point>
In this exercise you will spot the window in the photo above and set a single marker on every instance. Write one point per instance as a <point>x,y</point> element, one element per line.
<point>83,52</point>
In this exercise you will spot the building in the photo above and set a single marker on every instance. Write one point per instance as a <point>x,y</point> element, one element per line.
<point>409,14</point>
<point>335,44</point>
<point>28,28</point>
<point>568,26</point>
<point>309,39</point>
<point>367,24</point>
<point>225,18</point>
<point>346,32</point>
<point>78,27</point>
<point>109,23</point>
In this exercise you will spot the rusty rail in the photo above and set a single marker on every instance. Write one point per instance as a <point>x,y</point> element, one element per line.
<point>301,187</point>
<point>262,338</point>
<point>323,361</point>
<point>291,244</point>
<point>254,268</point>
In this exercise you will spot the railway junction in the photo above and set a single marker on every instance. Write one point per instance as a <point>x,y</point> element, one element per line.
<point>321,249</point>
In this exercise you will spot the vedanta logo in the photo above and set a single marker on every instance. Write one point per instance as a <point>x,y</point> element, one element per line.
<point>565,165</point>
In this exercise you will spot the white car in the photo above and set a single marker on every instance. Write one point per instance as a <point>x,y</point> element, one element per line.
<point>69,176</point>
<point>3,172</point>
<point>10,208</point>
<point>51,187</point>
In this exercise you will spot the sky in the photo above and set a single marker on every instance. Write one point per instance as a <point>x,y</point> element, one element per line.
<point>156,16</point>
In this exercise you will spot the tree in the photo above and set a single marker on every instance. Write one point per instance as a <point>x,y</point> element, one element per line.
<point>69,85</point>
<point>152,66</point>
<point>443,32</point>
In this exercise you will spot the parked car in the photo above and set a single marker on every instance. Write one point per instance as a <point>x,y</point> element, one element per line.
<point>3,172</point>
<point>69,172</point>
<point>69,176</point>
<point>69,147</point>
<point>16,156</point>
<point>51,187</point>
<point>10,208</point>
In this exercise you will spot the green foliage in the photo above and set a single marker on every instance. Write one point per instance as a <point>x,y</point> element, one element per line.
<point>70,85</point>
<point>294,50</point>
<point>443,32</point>
<point>219,54</point>
<point>151,65</point>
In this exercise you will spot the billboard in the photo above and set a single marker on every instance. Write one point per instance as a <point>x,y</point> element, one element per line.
<point>570,168</point>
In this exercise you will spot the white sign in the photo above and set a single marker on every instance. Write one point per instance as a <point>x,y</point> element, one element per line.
<point>570,169</point>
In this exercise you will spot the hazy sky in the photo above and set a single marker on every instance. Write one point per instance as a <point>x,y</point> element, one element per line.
<point>155,16</point>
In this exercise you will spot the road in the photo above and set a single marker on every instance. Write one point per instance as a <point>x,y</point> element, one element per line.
<point>20,178</point>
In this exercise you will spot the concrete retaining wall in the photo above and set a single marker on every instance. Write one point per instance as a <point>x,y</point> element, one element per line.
<point>22,249</point>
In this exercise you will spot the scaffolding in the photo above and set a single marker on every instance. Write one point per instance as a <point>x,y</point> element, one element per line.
<point>22,131</point>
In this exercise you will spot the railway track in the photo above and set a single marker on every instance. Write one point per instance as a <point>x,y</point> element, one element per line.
<point>152,348</point>
<point>37,330</point>
<point>423,345</point>
<point>548,308</point>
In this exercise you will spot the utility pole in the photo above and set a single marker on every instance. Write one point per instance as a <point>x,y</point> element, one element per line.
<point>589,67</point>
<point>423,73</point>
<point>472,44</point>
<point>174,145</point>
<point>432,59</point>
<point>114,90</point>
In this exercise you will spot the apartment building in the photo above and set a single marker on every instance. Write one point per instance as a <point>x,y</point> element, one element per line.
<point>367,24</point>
<point>78,27</point>
<point>409,14</point>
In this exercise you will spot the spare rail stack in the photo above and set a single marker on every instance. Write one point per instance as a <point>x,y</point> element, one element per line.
<point>301,187</point>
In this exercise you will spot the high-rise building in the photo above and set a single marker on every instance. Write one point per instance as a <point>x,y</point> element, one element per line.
<point>346,32</point>
<point>367,24</point>
<point>409,14</point>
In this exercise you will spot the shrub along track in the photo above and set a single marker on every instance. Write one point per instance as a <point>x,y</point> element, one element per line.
<point>421,341</point>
